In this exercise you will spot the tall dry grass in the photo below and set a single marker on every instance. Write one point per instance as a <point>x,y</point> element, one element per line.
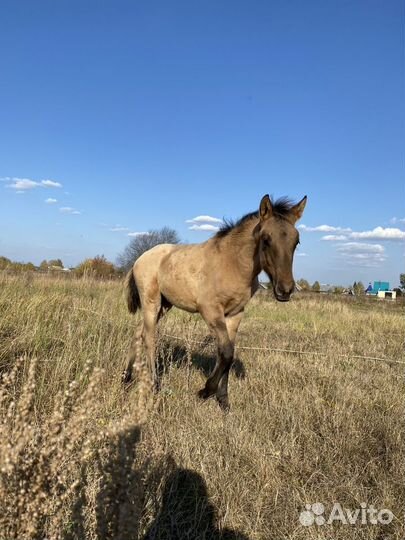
<point>82,458</point>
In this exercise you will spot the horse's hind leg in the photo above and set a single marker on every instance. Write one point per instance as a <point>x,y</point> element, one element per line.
<point>150,317</point>
<point>154,307</point>
<point>133,354</point>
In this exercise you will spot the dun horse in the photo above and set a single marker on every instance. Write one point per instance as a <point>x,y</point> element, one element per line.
<point>216,278</point>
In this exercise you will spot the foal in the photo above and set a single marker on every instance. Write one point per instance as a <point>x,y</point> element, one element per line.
<point>216,279</point>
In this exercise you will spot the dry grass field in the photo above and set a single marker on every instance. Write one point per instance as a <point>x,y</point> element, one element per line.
<point>82,458</point>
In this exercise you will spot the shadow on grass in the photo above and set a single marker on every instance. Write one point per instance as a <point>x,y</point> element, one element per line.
<point>178,355</point>
<point>186,512</point>
<point>119,500</point>
<point>131,492</point>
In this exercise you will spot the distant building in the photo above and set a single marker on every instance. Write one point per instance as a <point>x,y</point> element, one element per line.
<point>380,286</point>
<point>381,289</point>
<point>325,288</point>
<point>58,269</point>
<point>387,294</point>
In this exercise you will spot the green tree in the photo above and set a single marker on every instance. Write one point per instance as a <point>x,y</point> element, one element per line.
<point>56,262</point>
<point>358,288</point>
<point>16,267</point>
<point>402,281</point>
<point>4,263</point>
<point>97,267</point>
<point>316,287</point>
<point>303,283</point>
<point>44,265</point>
<point>338,289</point>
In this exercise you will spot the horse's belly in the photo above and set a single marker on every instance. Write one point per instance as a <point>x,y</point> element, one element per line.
<point>177,285</point>
<point>180,300</point>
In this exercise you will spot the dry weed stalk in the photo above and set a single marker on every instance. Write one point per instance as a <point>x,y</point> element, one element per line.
<point>46,463</point>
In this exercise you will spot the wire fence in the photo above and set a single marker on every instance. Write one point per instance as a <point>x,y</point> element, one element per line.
<point>271,349</point>
<point>292,351</point>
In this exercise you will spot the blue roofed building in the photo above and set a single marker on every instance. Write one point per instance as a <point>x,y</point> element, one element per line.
<point>381,289</point>
<point>380,286</point>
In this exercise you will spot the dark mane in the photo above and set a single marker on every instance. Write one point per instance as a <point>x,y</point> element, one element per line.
<point>281,208</point>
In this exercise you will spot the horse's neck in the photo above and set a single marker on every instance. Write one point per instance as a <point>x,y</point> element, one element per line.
<point>242,247</point>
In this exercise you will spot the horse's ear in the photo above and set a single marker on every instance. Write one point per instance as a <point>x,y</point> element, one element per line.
<point>266,209</point>
<point>298,209</point>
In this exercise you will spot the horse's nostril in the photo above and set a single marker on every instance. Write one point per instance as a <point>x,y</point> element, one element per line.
<point>283,290</point>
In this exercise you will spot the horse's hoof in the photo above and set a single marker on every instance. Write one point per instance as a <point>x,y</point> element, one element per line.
<point>203,394</point>
<point>223,402</point>
<point>126,377</point>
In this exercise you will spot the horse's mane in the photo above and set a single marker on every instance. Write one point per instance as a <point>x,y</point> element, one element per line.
<point>281,208</point>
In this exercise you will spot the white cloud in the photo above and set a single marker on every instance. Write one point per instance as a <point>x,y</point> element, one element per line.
<point>137,233</point>
<point>334,237</point>
<point>69,210</point>
<point>118,228</point>
<point>23,184</point>
<point>370,260</point>
<point>50,183</point>
<point>380,233</point>
<point>49,200</point>
<point>302,254</point>
<point>362,254</point>
<point>204,219</point>
<point>360,247</point>
<point>204,227</point>
<point>323,228</point>
<point>397,220</point>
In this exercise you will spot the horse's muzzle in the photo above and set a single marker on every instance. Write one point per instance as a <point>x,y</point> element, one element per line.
<point>283,294</point>
<point>282,297</point>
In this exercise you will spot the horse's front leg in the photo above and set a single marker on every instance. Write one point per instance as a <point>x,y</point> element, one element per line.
<point>232,325</point>
<point>217,324</point>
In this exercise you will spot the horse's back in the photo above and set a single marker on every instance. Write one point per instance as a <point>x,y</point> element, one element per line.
<point>169,270</point>
<point>191,276</point>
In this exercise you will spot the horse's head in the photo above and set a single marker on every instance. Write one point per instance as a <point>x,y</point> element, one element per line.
<point>278,239</point>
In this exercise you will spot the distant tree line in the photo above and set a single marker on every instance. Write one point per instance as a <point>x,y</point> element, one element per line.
<point>99,266</point>
<point>357,288</point>
<point>16,267</point>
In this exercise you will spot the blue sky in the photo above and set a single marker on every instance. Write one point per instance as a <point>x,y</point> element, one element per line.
<point>153,113</point>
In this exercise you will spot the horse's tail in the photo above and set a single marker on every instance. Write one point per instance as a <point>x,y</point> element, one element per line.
<point>131,293</point>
